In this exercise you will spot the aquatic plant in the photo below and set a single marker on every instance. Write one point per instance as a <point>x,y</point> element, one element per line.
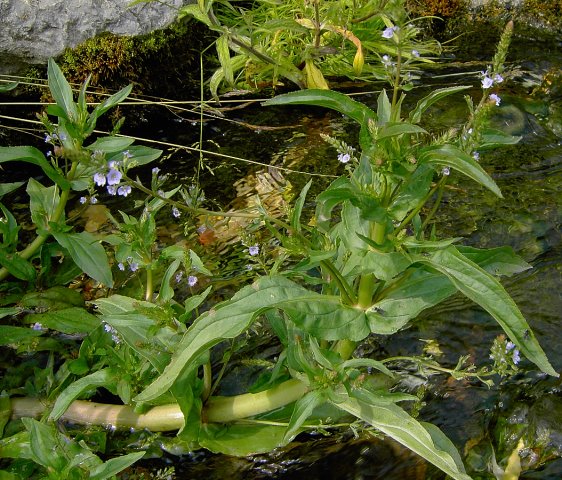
<point>367,263</point>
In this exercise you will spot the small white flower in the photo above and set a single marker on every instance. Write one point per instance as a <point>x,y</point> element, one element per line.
<point>121,266</point>
<point>191,280</point>
<point>254,250</point>
<point>386,61</point>
<point>83,200</point>
<point>415,53</point>
<point>133,266</point>
<point>179,276</point>
<point>127,154</point>
<point>175,212</point>
<point>93,200</point>
<point>446,171</point>
<point>476,156</point>
<point>155,171</point>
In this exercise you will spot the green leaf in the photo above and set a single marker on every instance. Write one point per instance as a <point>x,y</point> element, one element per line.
<point>44,444</point>
<point>101,378</point>
<point>17,266</point>
<point>43,203</point>
<point>17,446</point>
<point>136,155</point>
<point>241,439</point>
<point>110,144</point>
<point>303,409</point>
<point>104,106</point>
<point>8,311</point>
<point>34,156</point>
<point>429,443</point>
<point>6,188</point>
<point>223,53</point>
<point>333,100</point>
<point>196,12</point>
<point>452,157</point>
<point>61,91</point>
<point>192,303</point>
<point>68,320</point>
<point>492,138</point>
<point>297,210</point>
<point>114,465</point>
<point>166,292</point>
<point>435,96</point>
<point>384,108</point>
<point>497,261</point>
<point>88,253</point>
<point>486,291</point>
<point>54,298</point>
<point>10,335</point>
<point>6,87</point>
<point>385,266</point>
<point>400,128</point>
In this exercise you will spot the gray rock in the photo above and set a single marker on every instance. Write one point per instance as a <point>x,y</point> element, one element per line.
<point>34,30</point>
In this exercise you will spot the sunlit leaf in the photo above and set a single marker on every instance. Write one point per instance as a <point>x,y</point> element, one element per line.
<point>61,91</point>
<point>114,465</point>
<point>483,289</point>
<point>67,320</point>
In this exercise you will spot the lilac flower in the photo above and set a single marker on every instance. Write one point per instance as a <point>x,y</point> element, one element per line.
<point>155,171</point>
<point>49,154</point>
<point>476,156</point>
<point>114,177</point>
<point>344,157</point>
<point>127,154</point>
<point>415,53</point>
<point>62,136</point>
<point>179,276</point>
<point>509,346</point>
<point>487,82</point>
<point>83,200</point>
<point>191,280</point>
<point>121,266</point>
<point>113,164</point>
<point>386,61</point>
<point>133,266</point>
<point>124,190</point>
<point>254,250</point>
<point>516,357</point>
<point>48,138</point>
<point>112,189</point>
<point>99,179</point>
<point>496,99</point>
<point>498,78</point>
<point>446,171</point>
<point>93,200</point>
<point>175,212</point>
<point>389,32</point>
<point>37,326</point>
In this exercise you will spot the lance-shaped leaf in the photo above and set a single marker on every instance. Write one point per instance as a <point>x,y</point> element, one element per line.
<point>33,155</point>
<point>303,409</point>
<point>61,91</point>
<point>483,289</point>
<point>436,95</point>
<point>452,157</point>
<point>424,439</point>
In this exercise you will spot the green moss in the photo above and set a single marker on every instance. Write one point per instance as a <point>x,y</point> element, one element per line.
<point>114,61</point>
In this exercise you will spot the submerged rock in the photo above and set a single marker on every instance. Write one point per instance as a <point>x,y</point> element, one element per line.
<point>34,30</point>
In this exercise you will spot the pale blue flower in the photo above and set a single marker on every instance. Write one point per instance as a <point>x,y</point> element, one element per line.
<point>114,177</point>
<point>386,61</point>
<point>155,171</point>
<point>192,280</point>
<point>415,53</point>
<point>112,189</point>
<point>498,78</point>
<point>487,82</point>
<point>476,156</point>
<point>344,157</point>
<point>254,250</point>
<point>389,32</point>
<point>516,357</point>
<point>99,179</point>
<point>83,200</point>
<point>509,346</point>
<point>496,99</point>
<point>48,138</point>
<point>179,276</point>
<point>121,266</point>
<point>133,266</point>
<point>127,154</point>
<point>36,326</point>
<point>124,190</point>
<point>113,164</point>
<point>175,212</point>
<point>62,136</point>
<point>93,200</point>
<point>49,154</point>
<point>446,171</point>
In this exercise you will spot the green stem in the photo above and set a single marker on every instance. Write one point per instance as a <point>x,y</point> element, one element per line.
<point>164,418</point>
<point>436,204</point>
<point>149,285</point>
<point>40,239</point>
<point>207,381</point>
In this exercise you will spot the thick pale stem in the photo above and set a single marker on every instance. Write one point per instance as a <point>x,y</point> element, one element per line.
<point>149,285</point>
<point>167,417</point>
